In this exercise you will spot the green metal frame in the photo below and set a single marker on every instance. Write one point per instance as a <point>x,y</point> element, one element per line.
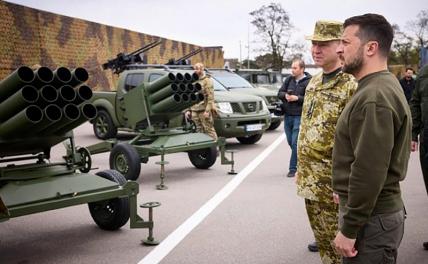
<point>38,187</point>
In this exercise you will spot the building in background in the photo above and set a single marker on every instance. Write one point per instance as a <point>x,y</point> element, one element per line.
<point>29,36</point>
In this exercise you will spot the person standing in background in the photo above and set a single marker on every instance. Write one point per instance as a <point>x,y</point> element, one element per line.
<point>292,93</point>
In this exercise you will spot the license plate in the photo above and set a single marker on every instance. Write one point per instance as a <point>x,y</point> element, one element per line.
<point>255,127</point>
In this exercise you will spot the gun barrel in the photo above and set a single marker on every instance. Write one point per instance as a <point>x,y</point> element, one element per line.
<point>48,95</point>
<point>79,75</point>
<point>88,112</point>
<point>51,114</point>
<point>14,81</point>
<point>166,104</point>
<point>70,113</point>
<point>22,122</point>
<point>163,93</point>
<point>66,95</point>
<point>43,76</point>
<point>18,101</point>
<point>84,93</point>
<point>62,75</point>
<point>160,83</point>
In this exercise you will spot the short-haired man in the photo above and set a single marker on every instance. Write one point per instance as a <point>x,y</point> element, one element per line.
<point>326,95</point>
<point>292,93</point>
<point>202,112</point>
<point>371,148</point>
<point>408,83</point>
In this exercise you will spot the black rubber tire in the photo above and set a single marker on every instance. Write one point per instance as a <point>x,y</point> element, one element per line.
<point>125,159</point>
<point>274,125</point>
<point>203,158</point>
<point>103,125</point>
<point>250,139</point>
<point>114,213</point>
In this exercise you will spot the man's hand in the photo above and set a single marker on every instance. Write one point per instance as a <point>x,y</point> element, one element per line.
<point>345,246</point>
<point>335,198</point>
<point>188,115</point>
<point>414,146</point>
<point>291,98</point>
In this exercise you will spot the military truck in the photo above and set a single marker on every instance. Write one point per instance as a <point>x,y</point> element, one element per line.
<point>244,116</point>
<point>262,78</point>
<point>235,83</point>
<point>38,110</point>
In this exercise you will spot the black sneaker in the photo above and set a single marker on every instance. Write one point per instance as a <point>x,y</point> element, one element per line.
<point>291,174</point>
<point>313,247</point>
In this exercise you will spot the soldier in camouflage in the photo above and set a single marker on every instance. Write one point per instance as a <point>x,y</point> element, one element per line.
<point>326,96</point>
<point>202,113</point>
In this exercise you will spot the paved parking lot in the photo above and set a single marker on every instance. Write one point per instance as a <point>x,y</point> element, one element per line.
<point>260,221</point>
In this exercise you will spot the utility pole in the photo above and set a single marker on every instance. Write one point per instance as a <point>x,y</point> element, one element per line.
<point>248,56</point>
<point>240,53</point>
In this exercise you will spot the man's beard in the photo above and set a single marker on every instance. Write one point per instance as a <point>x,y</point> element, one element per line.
<point>354,66</point>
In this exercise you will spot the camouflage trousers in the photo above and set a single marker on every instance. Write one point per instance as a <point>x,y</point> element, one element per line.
<point>324,218</point>
<point>203,124</point>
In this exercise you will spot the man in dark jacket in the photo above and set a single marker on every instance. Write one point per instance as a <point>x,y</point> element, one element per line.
<point>408,84</point>
<point>291,94</point>
<point>420,122</point>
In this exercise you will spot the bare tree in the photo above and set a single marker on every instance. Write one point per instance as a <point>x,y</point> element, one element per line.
<point>274,29</point>
<point>402,46</point>
<point>419,27</point>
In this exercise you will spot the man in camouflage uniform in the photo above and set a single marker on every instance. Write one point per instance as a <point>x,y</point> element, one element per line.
<point>202,112</point>
<point>326,96</point>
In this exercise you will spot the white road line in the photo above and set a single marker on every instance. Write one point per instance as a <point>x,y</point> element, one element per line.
<point>170,242</point>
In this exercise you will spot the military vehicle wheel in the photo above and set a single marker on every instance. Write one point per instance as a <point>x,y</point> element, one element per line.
<point>103,125</point>
<point>114,213</point>
<point>249,139</point>
<point>274,125</point>
<point>203,158</point>
<point>125,159</point>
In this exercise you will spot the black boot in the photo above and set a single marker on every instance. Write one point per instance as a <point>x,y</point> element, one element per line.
<point>313,247</point>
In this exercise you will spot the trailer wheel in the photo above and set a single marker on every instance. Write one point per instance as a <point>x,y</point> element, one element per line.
<point>249,139</point>
<point>203,158</point>
<point>114,213</point>
<point>103,125</point>
<point>274,125</point>
<point>125,159</point>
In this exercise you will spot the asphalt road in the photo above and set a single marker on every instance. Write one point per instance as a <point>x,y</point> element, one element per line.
<point>261,221</point>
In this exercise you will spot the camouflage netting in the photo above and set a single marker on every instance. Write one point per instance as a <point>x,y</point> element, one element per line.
<point>30,36</point>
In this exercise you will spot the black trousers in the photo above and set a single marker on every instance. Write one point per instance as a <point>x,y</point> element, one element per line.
<point>423,157</point>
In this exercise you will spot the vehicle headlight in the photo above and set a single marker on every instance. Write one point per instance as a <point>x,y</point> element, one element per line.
<point>264,106</point>
<point>225,107</point>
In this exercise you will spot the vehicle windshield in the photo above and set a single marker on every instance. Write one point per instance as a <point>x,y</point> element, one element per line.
<point>218,86</point>
<point>262,79</point>
<point>232,81</point>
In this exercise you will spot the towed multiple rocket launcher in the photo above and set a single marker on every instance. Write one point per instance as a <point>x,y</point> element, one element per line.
<point>38,110</point>
<point>151,109</point>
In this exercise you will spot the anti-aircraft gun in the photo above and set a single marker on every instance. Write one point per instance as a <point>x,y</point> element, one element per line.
<point>118,64</point>
<point>38,109</point>
<point>185,59</point>
<point>150,108</point>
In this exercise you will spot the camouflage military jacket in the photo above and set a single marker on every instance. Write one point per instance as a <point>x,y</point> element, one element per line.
<point>321,110</point>
<point>208,91</point>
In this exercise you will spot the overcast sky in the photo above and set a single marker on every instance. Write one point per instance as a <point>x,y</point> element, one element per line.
<point>221,22</point>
